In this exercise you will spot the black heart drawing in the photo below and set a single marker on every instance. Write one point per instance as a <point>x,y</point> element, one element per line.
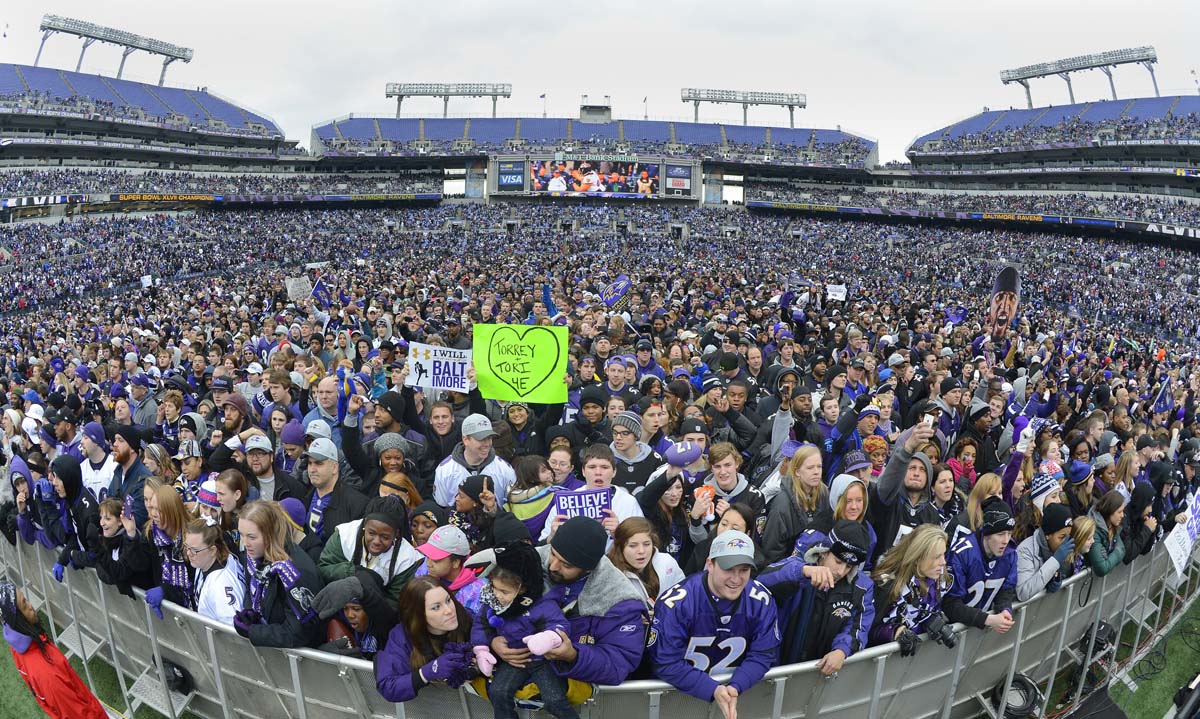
<point>520,336</point>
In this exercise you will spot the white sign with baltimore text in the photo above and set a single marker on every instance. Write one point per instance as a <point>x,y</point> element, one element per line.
<point>432,367</point>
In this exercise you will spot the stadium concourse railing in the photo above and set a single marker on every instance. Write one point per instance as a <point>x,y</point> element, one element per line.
<point>234,679</point>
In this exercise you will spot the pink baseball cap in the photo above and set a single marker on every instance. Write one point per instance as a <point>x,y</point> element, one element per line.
<point>445,541</point>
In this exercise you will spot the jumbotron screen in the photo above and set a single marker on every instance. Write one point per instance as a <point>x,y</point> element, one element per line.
<point>597,178</point>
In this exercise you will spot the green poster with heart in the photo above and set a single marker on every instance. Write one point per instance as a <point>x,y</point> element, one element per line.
<point>524,363</point>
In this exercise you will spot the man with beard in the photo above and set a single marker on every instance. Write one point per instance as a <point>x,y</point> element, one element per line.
<point>236,414</point>
<point>274,485</point>
<point>129,476</point>
<point>606,619</point>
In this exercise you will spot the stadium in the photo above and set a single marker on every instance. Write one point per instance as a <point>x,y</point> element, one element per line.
<point>142,223</point>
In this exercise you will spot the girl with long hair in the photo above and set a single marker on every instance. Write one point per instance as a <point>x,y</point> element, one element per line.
<point>164,535</point>
<point>57,688</point>
<point>802,495</point>
<point>910,581</point>
<point>635,552</point>
<point>430,644</point>
<point>281,581</point>
<point>217,585</point>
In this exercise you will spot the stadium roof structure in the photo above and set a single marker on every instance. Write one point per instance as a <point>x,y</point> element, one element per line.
<point>91,32</point>
<point>790,100</point>
<point>447,90</point>
<point>1102,61</point>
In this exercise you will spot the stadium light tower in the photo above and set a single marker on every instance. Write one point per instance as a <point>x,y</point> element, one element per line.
<point>1102,61</point>
<point>401,90</point>
<point>91,32</point>
<point>790,100</point>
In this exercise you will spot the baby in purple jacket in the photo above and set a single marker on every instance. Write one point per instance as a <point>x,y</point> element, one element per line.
<point>513,606</point>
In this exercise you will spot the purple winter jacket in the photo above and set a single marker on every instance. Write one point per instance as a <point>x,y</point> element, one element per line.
<point>608,623</point>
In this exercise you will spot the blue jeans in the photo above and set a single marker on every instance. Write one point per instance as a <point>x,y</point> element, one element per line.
<point>508,680</point>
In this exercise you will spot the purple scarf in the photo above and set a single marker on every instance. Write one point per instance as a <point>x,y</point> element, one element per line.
<point>175,570</point>
<point>298,598</point>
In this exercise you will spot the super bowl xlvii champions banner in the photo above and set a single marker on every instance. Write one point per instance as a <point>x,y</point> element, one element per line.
<point>1002,308</point>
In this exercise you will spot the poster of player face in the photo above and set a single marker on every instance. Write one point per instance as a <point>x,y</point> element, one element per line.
<point>599,178</point>
<point>1006,296</point>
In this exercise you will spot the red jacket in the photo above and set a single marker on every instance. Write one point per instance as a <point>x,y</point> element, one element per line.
<point>55,685</point>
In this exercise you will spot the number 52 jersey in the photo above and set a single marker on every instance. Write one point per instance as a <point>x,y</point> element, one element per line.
<point>696,635</point>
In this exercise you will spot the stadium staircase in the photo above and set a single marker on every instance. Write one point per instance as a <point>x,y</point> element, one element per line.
<point>517,130</point>
<point>671,127</point>
<point>242,112</point>
<point>1127,106</point>
<point>378,130</point>
<point>621,130</point>
<point>767,140</point>
<point>338,131</point>
<point>1079,114</point>
<point>1036,120</point>
<point>724,138</point>
<point>421,130</point>
<point>1171,109</point>
<point>112,88</point>
<point>67,82</point>
<point>21,77</point>
<point>466,130</point>
<point>570,129</point>
<point>812,140</point>
<point>150,91</point>
<point>985,130</point>
<point>203,109</point>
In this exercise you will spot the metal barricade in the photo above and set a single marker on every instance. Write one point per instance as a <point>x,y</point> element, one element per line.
<point>234,679</point>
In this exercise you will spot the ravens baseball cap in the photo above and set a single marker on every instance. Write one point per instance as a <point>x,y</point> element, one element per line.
<point>476,426</point>
<point>731,549</point>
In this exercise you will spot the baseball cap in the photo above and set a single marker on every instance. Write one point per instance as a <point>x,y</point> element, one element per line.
<point>318,428</point>
<point>322,450</point>
<point>476,426</point>
<point>259,442</point>
<point>254,368</point>
<point>446,541</point>
<point>188,448</point>
<point>896,359</point>
<point>644,345</point>
<point>731,548</point>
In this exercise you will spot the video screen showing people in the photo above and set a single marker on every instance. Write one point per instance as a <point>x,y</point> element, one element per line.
<point>604,178</point>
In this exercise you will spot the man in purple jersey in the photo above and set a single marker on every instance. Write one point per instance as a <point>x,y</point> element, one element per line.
<point>713,622</point>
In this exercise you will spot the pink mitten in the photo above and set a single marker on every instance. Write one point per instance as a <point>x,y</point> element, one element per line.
<point>543,642</point>
<point>484,660</point>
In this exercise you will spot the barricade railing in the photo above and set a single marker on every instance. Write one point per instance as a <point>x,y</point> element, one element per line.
<point>235,679</point>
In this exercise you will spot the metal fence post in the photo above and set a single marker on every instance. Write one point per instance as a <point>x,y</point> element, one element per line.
<point>112,643</point>
<point>880,664</point>
<point>1137,639</point>
<point>216,665</point>
<point>87,670</point>
<point>1012,664</point>
<point>1062,638</point>
<point>1087,661</point>
<point>158,661</point>
<point>958,661</point>
<point>294,664</point>
<point>49,605</point>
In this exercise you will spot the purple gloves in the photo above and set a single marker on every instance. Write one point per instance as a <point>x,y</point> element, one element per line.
<point>243,620</point>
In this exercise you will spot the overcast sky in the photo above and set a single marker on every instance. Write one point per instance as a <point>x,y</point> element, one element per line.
<point>890,71</point>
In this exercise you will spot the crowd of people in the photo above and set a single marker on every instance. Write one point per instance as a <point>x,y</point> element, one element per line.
<point>14,183</point>
<point>85,107</point>
<point>785,474</point>
<point>1118,205</point>
<point>1075,131</point>
<point>851,152</point>
<point>1137,286</point>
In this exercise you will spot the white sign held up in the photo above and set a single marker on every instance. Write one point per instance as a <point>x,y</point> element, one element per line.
<point>432,367</point>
